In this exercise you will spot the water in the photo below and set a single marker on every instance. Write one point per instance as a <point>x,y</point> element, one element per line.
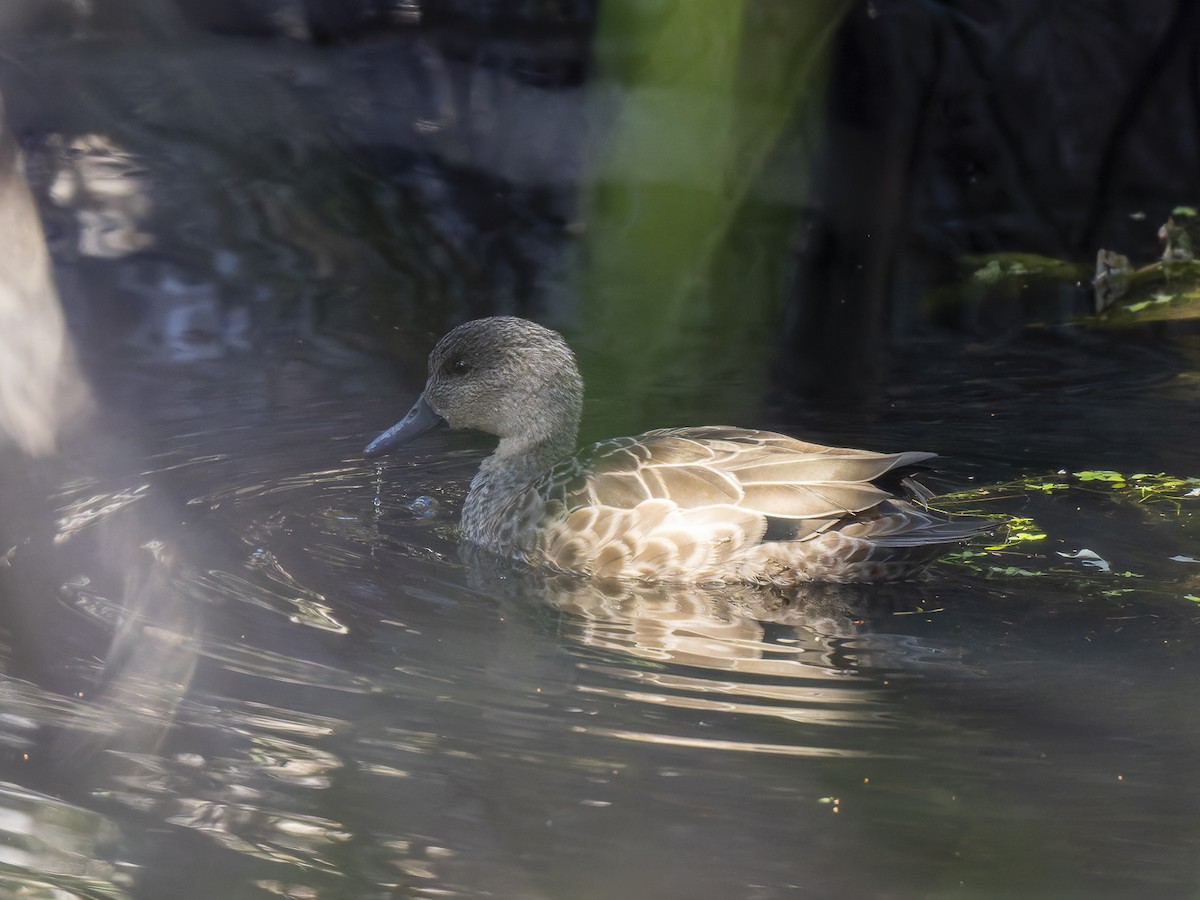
<point>239,660</point>
<point>243,661</point>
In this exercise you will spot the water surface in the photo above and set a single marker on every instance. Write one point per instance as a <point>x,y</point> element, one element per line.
<point>239,660</point>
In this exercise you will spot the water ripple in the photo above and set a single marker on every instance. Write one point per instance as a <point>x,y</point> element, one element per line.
<point>48,849</point>
<point>716,744</point>
<point>796,703</point>
<point>692,658</point>
<point>249,660</point>
<point>85,512</point>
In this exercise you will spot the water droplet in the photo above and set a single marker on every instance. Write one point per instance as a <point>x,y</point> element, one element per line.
<point>423,507</point>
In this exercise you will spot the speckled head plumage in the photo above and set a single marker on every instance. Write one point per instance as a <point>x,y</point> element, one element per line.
<point>509,377</point>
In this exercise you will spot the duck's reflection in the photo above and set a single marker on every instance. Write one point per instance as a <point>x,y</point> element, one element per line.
<point>723,666</point>
<point>743,627</point>
<point>832,629</point>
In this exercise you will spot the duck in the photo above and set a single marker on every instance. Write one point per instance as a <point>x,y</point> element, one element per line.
<point>694,505</point>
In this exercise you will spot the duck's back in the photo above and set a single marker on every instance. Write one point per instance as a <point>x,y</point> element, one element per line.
<point>730,504</point>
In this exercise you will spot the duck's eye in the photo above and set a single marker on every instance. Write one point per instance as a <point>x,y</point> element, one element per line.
<point>457,367</point>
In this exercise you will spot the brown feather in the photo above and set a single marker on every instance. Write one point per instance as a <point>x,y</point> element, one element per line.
<point>812,501</point>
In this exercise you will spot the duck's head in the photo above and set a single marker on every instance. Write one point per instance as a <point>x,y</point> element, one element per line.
<point>505,376</point>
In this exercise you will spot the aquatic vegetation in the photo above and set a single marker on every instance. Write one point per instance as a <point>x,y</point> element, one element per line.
<point>1007,291</point>
<point>1124,294</point>
<point>1022,545</point>
<point>1166,289</point>
<point>1019,268</point>
<point>1139,487</point>
<point>1164,305</point>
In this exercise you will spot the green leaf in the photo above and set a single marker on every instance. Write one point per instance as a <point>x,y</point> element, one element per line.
<point>1100,475</point>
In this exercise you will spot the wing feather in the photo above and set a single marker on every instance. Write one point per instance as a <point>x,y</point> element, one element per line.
<point>692,485</point>
<point>819,501</point>
<point>687,500</point>
<point>623,490</point>
<point>823,469</point>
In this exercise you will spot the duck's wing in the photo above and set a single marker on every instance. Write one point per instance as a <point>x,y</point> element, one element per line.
<point>699,496</point>
<point>758,471</point>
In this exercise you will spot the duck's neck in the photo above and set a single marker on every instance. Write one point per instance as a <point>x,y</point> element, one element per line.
<point>490,513</point>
